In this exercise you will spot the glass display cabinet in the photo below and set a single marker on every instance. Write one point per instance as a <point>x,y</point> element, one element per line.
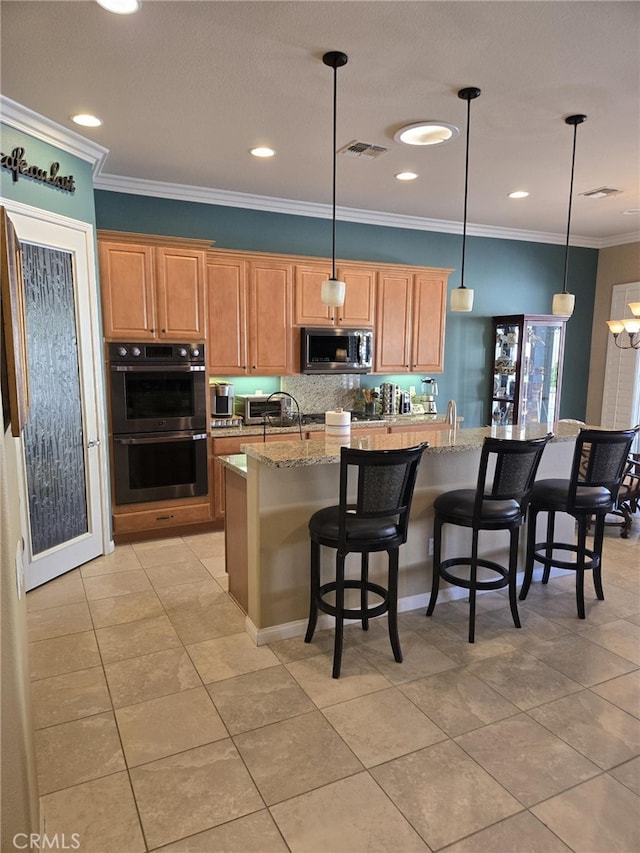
<point>527,369</point>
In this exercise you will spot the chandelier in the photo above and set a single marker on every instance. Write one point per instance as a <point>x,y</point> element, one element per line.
<point>631,326</point>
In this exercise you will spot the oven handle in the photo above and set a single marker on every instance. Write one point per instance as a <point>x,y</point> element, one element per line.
<point>158,437</point>
<point>158,368</point>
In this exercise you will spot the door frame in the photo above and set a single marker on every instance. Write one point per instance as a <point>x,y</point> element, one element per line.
<point>29,222</point>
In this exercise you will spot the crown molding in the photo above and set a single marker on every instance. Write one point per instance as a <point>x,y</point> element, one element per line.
<point>21,118</point>
<point>226,198</point>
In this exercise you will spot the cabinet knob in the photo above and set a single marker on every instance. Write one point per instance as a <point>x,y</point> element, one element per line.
<point>164,331</point>
<point>153,331</point>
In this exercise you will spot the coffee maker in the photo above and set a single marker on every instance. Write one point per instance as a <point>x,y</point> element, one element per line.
<point>429,394</point>
<point>222,400</point>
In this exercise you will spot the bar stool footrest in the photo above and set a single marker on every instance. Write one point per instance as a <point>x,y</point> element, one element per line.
<point>369,613</point>
<point>592,560</point>
<point>498,583</point>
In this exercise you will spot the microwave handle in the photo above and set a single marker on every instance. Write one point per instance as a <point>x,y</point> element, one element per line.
<point>159,437</point>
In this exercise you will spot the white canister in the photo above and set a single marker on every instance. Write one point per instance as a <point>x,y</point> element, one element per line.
<point>337,424</point>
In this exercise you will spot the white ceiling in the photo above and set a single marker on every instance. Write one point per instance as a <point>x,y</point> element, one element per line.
<point>186,88</point>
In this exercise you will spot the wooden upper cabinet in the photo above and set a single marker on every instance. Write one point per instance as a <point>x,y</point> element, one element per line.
<point>411,309</point>
<point>270,315</point>
<point>152,288</point>
<point>180,277</point>
<point>393,327</point>
<point>128,290</point>
<point>309,310</point>
<point>227,315</point>
<point>428,318</point>
<point>358,308</point>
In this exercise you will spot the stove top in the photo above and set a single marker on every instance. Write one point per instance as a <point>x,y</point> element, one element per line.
<point>318,417</point>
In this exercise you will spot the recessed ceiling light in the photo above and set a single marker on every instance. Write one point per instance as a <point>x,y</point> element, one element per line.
<point>406,176</point>
<point>631,211</point>
<point>519,194</point>
<point>120,7</point>
<point>262,152</point>
<point>426,133</point>
<point>87,120</point>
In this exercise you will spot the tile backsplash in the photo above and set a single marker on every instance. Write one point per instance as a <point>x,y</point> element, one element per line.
<point>324,393</point>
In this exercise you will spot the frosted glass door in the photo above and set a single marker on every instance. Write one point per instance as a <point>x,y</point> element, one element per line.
<point>54,435</point>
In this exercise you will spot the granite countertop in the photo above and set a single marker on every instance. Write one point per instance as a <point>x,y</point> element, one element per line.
<point>236,462</point>
<point>295,454</point>
<point>382,421</point>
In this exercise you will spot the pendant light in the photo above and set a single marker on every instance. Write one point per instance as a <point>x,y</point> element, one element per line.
<point>462,297</point>
<point>563,303</point>
<point>332,289</point>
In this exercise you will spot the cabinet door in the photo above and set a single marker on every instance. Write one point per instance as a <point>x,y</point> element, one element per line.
<point>270,286</point>
<point>393,322</point>
<point>227,316</point>
<point>180,275</point>
<point>127,288</point>
<point>308,308</point>
<point>428,319</point>
<point>359,300</point>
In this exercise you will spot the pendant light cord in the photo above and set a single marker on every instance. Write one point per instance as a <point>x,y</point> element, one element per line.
<point>335,144</point>
<point>466,194</point>
<point>575,121</point>
<point>566,247</point>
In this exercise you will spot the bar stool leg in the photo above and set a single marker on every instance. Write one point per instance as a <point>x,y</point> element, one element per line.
<point>473,576</point>
<point>392,615</point>
<point>551,523</point>
<point>582,542</point>
<point>514,538</point>
<point>339,605</point>
<point>598,538</point>
<point>364,592</point>
<point>435,572</point>
<point>315,586</point>
<point>531,547</point>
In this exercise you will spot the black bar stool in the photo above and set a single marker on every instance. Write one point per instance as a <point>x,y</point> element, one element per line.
<point>376,520</point>
<point>499,502</point>
<point>591,491</point>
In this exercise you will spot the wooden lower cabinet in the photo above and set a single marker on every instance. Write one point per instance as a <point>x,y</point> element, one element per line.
<point>235,537</point>
<point>144,520</point>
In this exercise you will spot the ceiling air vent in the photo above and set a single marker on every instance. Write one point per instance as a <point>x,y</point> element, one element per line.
<point>601,192</point>
<point>362,149</point>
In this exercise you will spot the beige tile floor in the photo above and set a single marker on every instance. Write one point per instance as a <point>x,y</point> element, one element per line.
<point>161,726</point>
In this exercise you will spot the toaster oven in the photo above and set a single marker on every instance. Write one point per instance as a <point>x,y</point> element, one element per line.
<point>254,408</point>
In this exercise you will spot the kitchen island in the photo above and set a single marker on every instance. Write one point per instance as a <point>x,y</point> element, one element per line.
<point>282,483</point>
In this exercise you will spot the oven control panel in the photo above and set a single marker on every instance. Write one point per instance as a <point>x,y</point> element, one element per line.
<point>151,353</point>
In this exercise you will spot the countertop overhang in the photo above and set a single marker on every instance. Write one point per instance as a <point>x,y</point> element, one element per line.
<point>296,454</point>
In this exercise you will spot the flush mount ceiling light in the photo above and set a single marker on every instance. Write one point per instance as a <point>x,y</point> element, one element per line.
<point>406,176</point>
<point>332,291</point>
<point>519,194</point>
<point>426,133</point>
<point>462,297</point>
<point>120,7</point>
<point>86,120</point>
<point>262,151</point>
<point>564,302</point>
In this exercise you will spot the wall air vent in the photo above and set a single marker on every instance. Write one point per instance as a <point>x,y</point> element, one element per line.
<point>601,192</point>
<point>362,149</point>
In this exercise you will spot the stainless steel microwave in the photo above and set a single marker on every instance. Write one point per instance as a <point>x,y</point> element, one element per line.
<point>255,408</point>
<point>336,350</point>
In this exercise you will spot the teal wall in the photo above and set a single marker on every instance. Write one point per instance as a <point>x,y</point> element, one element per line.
<point>508,277</point>
<point>78,205</point>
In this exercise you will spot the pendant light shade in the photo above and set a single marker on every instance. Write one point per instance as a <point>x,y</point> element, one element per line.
<point>462,296</point>
<point>332,291</point>
<point>564,302</point>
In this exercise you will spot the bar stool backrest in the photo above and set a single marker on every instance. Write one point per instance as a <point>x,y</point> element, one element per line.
<point>514,470</point>
<point>599,460</point>
<point>385,481</point>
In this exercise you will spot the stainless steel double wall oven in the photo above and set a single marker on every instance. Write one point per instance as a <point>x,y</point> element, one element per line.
<point>158,420</point>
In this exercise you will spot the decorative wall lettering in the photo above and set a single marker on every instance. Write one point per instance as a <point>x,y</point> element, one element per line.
<point>18,166</point>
